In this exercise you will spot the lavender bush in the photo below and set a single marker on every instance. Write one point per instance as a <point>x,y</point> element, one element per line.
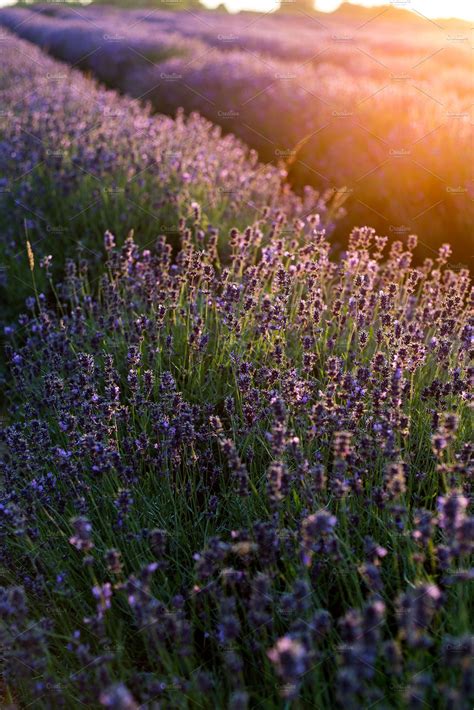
<point>242,484</point>
<point>377,109</point>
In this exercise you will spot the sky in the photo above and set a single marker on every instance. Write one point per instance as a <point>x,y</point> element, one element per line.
<point>463,9</point>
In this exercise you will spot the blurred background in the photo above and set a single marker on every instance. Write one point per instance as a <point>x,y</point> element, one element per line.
<point>369,101</point>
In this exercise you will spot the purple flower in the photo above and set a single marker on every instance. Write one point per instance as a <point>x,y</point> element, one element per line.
<point>118,697</point>
<point>82,538</point>
<point>451,508</point>
<point>103,594</point>
<point>290,658</point>
<point>416,609</point>
<point>317,534</point>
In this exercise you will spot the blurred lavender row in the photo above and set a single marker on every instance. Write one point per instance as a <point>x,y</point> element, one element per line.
<point>76,159</point>
<point>385,119</point>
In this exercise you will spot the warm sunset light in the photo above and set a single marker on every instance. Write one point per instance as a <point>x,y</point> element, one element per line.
<point>462,9</point>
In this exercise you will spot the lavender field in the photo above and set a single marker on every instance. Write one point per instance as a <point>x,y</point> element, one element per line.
<point>236,440</point>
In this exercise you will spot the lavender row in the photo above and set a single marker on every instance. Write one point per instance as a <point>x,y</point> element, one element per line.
<point>76,159</point>
<point>299,38</point>
<point>400,110</point>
